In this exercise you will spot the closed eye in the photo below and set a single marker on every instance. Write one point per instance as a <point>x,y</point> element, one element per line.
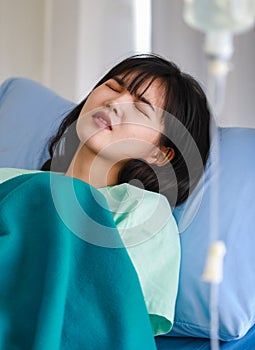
<point>141,110</point>
<point>114,85</point>
<point>112,88</point>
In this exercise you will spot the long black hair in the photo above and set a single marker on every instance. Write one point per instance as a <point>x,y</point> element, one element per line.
<point>186,129</point>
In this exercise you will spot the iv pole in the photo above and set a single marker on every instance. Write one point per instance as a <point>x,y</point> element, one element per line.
<point>219,20</point>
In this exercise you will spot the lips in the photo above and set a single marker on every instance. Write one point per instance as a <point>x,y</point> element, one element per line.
<point>102,120</point>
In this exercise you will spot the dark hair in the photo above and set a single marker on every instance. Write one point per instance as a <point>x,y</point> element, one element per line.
<point>186,119</point>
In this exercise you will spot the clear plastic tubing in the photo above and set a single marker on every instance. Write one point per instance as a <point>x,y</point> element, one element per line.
<point>219,20</point>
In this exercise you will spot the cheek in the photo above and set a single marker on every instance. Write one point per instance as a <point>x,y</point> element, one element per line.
<point>84,128</point>
<point>88,106</point>
<point>145,134</point>
<point>137,141</point>
<point>94,100</point>
<point>79,128</point>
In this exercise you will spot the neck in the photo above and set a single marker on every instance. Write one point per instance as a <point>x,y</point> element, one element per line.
<point>92,169</point>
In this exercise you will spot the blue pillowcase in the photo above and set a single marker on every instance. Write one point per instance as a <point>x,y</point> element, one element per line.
<point>30,114</point>
<point>235,215</point>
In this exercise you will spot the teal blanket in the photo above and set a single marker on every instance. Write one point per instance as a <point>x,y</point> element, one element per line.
<point>66,282</point>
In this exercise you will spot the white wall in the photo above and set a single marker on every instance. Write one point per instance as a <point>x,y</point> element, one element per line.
<point>105,37</point>
<point>65,44</point>
<point>84,38</point>
<point>60,45</point>
<point>21,36</point>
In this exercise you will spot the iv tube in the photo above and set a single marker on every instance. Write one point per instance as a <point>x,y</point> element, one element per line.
<point>219,20</point>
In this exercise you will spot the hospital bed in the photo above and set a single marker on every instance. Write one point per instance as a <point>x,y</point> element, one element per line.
<point>31,113</point>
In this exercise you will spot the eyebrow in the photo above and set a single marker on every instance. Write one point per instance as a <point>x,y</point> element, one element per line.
<point>121,82</point>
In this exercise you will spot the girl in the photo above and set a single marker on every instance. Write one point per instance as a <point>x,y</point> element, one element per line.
<point>174,118</point>
<point>141,133</point>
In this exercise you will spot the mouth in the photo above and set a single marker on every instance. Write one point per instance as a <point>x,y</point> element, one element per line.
<point>102,120</point>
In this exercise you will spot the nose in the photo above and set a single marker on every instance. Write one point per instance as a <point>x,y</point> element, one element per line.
<point>114,108</point>
<point>119,104</point>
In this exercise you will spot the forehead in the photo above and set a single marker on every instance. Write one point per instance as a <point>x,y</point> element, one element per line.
<point>142,84</point>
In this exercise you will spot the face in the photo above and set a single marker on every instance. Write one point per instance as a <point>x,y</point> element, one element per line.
<point>117,125</point>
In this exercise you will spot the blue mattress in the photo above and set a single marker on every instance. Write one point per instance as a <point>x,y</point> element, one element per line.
<point>174,343</point>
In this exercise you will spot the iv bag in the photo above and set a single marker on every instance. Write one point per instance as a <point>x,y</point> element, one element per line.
<point>233,16</point>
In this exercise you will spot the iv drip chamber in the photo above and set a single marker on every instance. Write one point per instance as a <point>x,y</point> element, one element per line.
<point>219,20</point>
<point>235,16</point>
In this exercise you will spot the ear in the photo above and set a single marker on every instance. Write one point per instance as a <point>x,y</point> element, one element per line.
<point>161,156</point>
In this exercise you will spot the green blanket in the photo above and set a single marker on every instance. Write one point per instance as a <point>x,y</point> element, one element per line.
<point>62,285</point>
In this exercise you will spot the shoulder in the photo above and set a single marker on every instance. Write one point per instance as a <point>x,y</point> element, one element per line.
<point>149,232</point>
<point>137,212</point>
<point>131,199</point>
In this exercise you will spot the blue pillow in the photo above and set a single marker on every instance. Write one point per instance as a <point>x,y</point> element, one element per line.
<point>30,114</point>
<point>236,214</point>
